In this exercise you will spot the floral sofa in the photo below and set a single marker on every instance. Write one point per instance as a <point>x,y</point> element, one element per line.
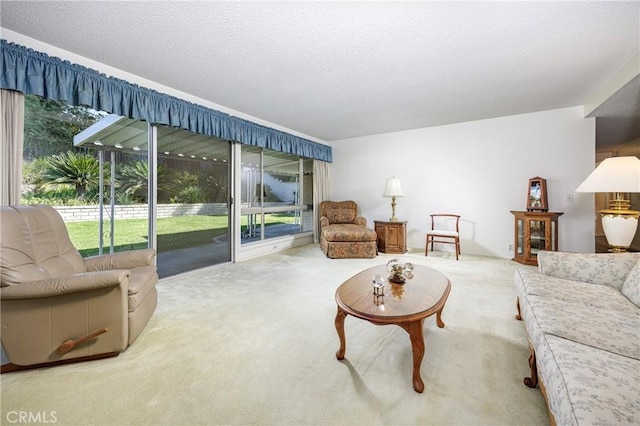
<point>582,317</point>
<point>344,234</point>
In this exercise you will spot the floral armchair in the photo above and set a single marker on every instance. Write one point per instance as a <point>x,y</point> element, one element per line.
<point>344,234</point>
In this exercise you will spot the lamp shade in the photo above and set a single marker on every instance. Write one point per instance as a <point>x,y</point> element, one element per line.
<point>393,188</point>
<point>614,174</point>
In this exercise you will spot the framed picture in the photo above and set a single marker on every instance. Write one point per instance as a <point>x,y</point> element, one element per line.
<point>537,195</point>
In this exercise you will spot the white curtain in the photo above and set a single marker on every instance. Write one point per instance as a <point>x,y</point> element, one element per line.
<point>11,143</point>
<point>320,193</point>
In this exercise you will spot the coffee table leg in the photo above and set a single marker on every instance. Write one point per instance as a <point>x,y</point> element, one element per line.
<point>417,346</point>
<point>340,316</point>
<point>439,318</point>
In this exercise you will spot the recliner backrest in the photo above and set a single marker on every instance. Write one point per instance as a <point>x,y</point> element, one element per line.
<point>339,211</point>
<point>35,245</point>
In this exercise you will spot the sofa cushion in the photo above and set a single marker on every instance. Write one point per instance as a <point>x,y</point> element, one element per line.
<point>530,282</point>
<point>341,215</point>
<point>35,245</point>
<point>597,268</point>
<point>586,385</point>
<point>613,330</point>
<point>348,233</point>
<point>631,286</point>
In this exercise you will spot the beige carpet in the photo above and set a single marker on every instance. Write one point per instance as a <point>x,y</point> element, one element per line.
<point>254,343</point>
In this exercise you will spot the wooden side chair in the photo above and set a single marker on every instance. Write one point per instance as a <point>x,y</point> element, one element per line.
<point>440,234</point>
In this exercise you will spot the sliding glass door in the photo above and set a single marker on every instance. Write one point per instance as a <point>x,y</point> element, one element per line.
<point>193,214</point>
<point>167,187</point>
<point>276,194</point>
<point>122,184</point>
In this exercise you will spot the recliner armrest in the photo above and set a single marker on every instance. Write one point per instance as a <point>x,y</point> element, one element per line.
<point>123,260</point>
<point>57,286</point>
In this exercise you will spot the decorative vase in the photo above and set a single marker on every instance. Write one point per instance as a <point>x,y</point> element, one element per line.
<point>399,272</point>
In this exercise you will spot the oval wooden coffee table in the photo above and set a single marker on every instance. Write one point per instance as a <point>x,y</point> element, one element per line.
<point>405,305</point>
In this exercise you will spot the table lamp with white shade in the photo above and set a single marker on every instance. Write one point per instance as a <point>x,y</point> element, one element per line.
<point>393,190</point>
<point>618,175</point>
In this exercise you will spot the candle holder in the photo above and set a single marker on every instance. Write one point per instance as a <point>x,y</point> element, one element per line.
<point>379,301</point>
<point>378,285</point>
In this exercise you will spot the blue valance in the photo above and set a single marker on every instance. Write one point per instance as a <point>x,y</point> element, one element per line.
<point>36,73</point>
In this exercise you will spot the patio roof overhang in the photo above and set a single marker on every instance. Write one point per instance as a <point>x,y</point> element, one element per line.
<point>114,132</point>
<point>118,133</point>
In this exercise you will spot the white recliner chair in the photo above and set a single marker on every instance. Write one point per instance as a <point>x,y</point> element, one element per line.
<point>56,306</point>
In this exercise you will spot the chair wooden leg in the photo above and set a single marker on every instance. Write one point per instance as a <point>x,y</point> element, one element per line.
<point>426,248</point>
<point>457,248</point>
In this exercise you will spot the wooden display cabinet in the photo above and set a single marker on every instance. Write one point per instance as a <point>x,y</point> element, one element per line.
<point>534,231</point>
<point>392,236</point>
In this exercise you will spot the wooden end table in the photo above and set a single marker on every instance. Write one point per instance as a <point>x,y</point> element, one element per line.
<point>392,236</point>
<point>405,305</point>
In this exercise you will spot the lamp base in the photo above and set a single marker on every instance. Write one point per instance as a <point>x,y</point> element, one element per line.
<point>393,210</point>
<point>619,228</point>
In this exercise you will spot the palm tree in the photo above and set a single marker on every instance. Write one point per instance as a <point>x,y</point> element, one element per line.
<point>134,180</point>
<point>82,171</point>
<point>215,185</point>
<point>185,188</point>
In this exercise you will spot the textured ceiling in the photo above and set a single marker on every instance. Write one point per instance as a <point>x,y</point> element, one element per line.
<point>618,118</point>
<point>335,70</point>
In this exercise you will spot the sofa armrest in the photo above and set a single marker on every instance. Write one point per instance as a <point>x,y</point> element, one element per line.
<point>360,221</point>
<point>57,286</point>
<point>123,260</point>
<point>324,221</point>
<point>595,268</point>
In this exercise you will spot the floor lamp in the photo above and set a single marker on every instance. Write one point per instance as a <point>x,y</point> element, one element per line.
<point>618,175</point>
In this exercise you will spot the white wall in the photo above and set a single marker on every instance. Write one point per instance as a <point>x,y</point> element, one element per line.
<point>477,169</point>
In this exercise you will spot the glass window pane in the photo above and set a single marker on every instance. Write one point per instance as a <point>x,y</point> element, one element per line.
<point>281,173</point>
<point>277,194</point>
<point>282,223</point>
<point>250,227</point>
<point>192,210</point>
<point>125,224</point>
<point>58,174</point>
<point>251,177</point>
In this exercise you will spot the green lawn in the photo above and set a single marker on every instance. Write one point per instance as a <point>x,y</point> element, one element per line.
<point>173,232</point>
